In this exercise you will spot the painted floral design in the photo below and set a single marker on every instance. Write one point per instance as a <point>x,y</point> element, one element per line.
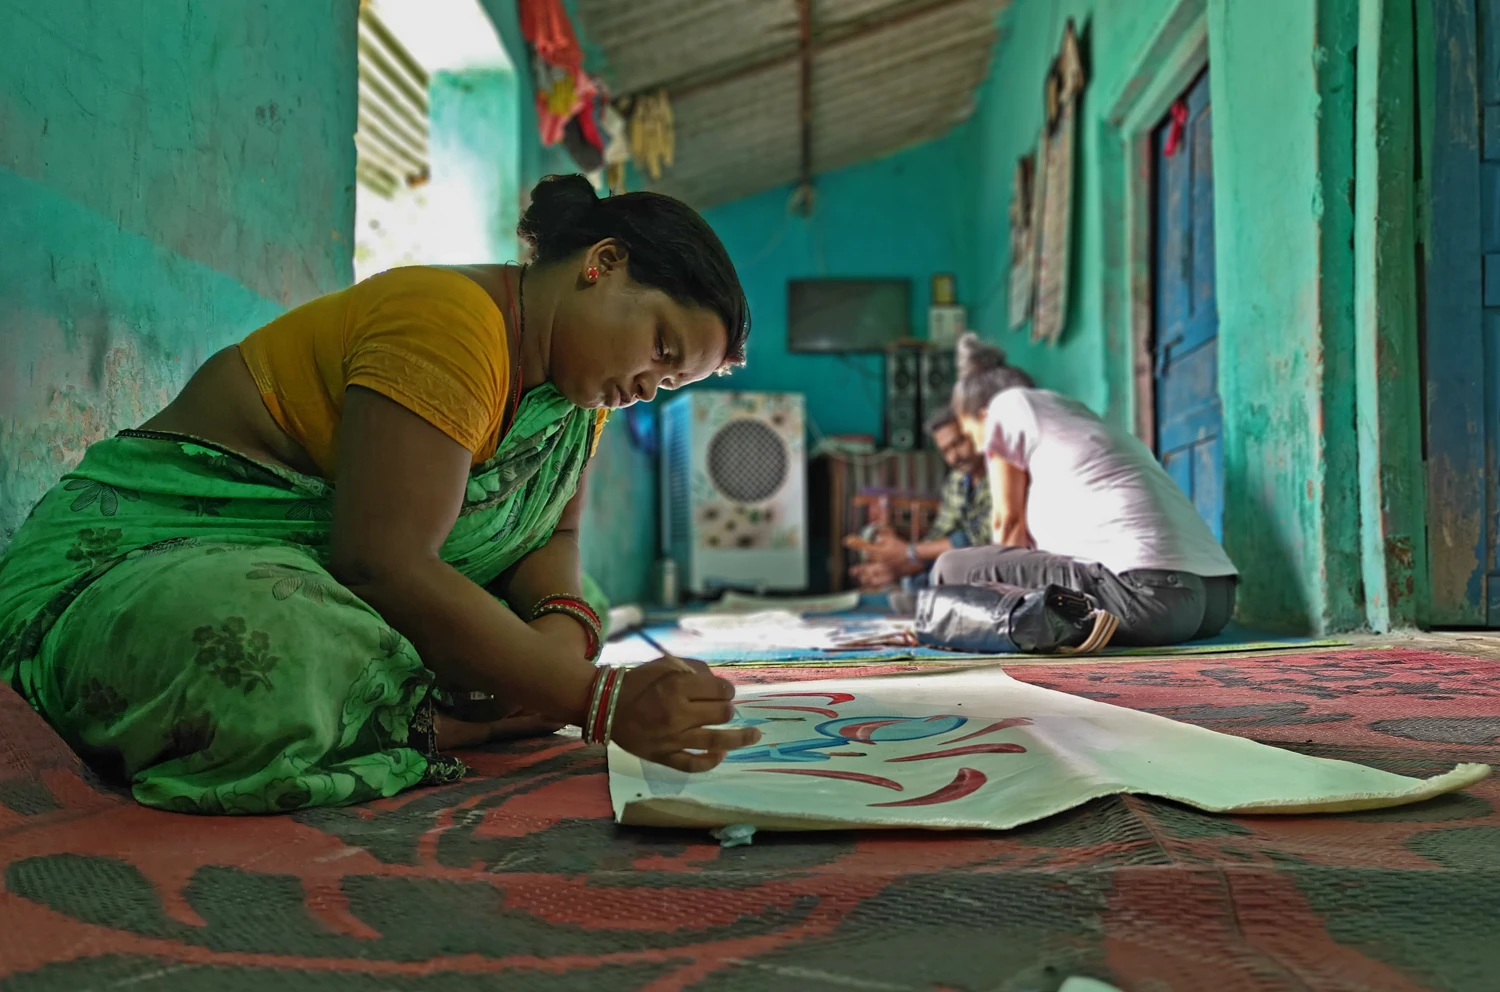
<point>309,509</point>
<point>101,703</point>
<point>205,506</point>
<point>95,546</point>
<point>101,494</point>
<point>236,656</point>
<point>189,736</point>
<point>288,580</point>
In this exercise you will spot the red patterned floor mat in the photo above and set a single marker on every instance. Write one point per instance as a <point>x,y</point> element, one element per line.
<point>516,879</point>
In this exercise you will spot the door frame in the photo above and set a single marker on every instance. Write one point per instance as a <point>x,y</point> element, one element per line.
<point>1456,430</point>
<point>1176,56</point>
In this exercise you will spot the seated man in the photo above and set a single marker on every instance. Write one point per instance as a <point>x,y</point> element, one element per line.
<point>962,520</point>
<point>1084,505</point>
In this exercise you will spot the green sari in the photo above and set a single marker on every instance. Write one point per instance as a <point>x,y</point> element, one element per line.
<point>168,609</point>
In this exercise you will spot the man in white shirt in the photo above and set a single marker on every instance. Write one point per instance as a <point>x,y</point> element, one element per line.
<point>1084,505</point>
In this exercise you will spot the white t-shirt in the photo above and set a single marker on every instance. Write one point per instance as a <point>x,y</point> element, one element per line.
<point>1097,493</point>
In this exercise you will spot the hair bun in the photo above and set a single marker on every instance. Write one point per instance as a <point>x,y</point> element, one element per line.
<point>558,203</point>
<point>975,357</point>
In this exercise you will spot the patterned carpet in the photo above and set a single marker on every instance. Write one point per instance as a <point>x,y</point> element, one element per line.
<point>516,879</point>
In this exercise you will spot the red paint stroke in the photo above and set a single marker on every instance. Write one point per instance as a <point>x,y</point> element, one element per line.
<point>1006,724</point>
<point>831,714</point>
<point>834,698</point>
<point>862,732</point>
<point>971,749</point>
<point>966,782</point>
<point>884,783</point>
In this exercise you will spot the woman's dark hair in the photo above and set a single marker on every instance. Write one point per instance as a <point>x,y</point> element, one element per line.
<point>667,245</point>
<point>982,375</point>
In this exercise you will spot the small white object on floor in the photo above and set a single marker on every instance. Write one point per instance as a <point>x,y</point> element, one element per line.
<point>772,630</point>
<point>1080,984</point>
<point>738,602</point>
<point>627,617</point>
<point>734,835</point>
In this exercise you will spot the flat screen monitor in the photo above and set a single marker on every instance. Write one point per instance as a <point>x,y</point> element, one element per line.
<point>836,315</point>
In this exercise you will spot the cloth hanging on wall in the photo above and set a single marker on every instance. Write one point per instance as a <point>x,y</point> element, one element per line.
<point>1065,84</point>
<point>545,26</point>
<point>615,130</point>
<point>561,95</point>
<point>653,141</point>
<point>1023,229</point>
<point>564,92</point>
<point>581,139</point>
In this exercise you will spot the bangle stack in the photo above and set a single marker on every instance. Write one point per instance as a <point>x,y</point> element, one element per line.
<point>576,608</point>
<point>602,701</point>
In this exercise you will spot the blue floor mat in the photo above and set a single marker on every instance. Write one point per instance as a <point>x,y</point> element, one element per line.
<point>671,638</point>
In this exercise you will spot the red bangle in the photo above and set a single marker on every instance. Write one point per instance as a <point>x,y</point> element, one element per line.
<point>594,643</point>
<point>564,599</point>
<point>603,698</point>
<point>576,608</point>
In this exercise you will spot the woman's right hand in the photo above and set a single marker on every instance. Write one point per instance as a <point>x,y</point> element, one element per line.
<point>665,712</point>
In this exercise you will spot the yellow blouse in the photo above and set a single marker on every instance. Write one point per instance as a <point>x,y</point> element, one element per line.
<point>430,339</point>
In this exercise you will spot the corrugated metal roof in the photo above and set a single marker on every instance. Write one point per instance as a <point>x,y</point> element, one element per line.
<point>885,74</point>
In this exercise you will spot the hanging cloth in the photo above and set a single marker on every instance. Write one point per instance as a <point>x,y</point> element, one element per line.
<point>545,25</point>
<point>561,94</point>
<point>652,136</point>
<point>581,139</point>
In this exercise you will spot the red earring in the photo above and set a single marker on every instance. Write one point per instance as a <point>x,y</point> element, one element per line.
<point>591,273</point>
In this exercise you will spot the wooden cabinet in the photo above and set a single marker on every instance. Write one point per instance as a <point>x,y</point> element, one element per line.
<point>849,491</point>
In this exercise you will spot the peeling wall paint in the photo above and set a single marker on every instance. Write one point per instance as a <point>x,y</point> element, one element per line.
<point>173,174</point>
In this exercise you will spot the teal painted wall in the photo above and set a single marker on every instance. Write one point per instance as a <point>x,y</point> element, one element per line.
<point>475,158</point>
<point>907,215</point>
<point>1282,75</point>
<point>172,173</point>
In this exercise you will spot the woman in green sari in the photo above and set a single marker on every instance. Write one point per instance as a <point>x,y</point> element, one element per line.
<point>290,587</point>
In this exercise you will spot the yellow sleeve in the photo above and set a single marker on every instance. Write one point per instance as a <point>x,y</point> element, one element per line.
<point>434,341</point>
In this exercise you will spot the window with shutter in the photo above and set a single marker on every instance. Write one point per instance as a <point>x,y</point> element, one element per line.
<point>391,140</point>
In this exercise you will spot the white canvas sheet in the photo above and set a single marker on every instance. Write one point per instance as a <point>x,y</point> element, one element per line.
<point>980,750</point>
<point>771,630</point>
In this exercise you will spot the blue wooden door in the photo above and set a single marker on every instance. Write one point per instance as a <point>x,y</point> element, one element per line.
<point>1461,339</point>
<point>1188,414</point>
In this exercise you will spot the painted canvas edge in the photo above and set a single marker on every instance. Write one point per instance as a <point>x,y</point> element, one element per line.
<point>692,814</point>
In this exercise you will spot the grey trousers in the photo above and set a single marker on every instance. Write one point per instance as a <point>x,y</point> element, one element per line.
<point>1156,608</point>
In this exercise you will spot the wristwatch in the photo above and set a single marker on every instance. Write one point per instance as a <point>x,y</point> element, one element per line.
<point>911,551</point>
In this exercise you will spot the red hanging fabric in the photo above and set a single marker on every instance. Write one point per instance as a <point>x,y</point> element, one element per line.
<point>1179,125</point>
<point>546,26</point>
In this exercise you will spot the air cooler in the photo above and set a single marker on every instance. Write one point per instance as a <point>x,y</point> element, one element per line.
<point>734,491</point>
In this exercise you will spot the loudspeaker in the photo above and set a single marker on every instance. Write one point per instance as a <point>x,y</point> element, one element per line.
<point>903,370</point>
<point>939,369</point>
